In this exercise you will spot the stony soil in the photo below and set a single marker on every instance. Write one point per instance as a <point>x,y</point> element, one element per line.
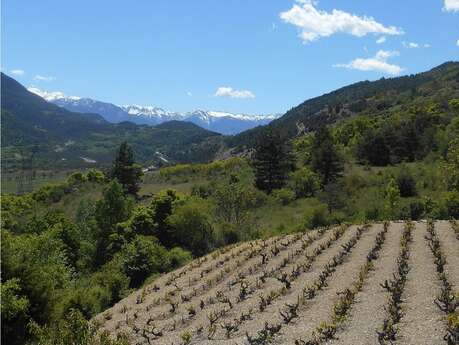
<point>212,287</point>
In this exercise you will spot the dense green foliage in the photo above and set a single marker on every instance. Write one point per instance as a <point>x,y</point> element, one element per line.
<point>272,161</point>
<point>372,99</point>
<point>325,160</point>
<point>52,264</point>
<point>126,171</point>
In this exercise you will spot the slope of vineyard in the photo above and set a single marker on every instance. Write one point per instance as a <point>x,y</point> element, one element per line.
<point>381,283</point>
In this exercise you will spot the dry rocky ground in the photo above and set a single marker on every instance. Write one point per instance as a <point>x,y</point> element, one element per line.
<point>359,285</point>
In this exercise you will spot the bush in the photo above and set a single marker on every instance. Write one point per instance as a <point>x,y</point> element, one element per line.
<point>316,216</point>
<point>450,204</point>
<point>94,175</point>
<point>76,178</point>
<point>142,221</point>
<point>14,311</point>
<point>141,258</point>
<point>417,210</point>
<point>162,206</point>
<point>88,300</point>
<point>229,234</point>
<point>191,225</point>
<point>112,278</point>
<point>178,257</point>
<point>372,213</point>
<point>304,183</point>
<point>73,329</point>
<point>406,184</point>
<point>202,190</point>
<point>283,196</point>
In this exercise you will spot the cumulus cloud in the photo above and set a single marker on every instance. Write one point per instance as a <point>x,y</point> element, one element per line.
<point>451,5</point>
<point>314,24</point>
<point>457,43</point>
<point>381,40</point>
<point>50,95</point>
<point>43,78</point>
<point>17,72</point>
<point>377,63</point>
<point>226,91</point>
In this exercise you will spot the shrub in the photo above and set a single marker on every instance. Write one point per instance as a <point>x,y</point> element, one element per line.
<point>88,300</point>
<point>142,221</point>
<point>406,184</point>
<point>417,210</point>
<point>450,203</point>
<point>73,329</point>
<point>94,175</point>
<point>284,196</point>
<point>304,183</point>
<point>229,234</point>
<point>191,225</point>
<point>141,258</point>
<point>112,278</point>
<point>316,216</point>
<point>202,190</point>
<point>14,311</point>
<point>179,257</point>
<point>76,178</point>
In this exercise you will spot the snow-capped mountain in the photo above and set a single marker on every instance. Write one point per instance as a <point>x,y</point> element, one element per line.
<point>217,121</point>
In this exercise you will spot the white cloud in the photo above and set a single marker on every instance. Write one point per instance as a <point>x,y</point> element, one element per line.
<point>50,96</point>
<point>377,63</point>
<point>410,45</point>
<point>43,78</point>
<point>381,40</point>
<point>457,43</point>
<point>17,72</point>
<point>189,93</point>
<point>226,91</point>
<point>413,45</point>
<point>315,23</point>
<point>451,5</point>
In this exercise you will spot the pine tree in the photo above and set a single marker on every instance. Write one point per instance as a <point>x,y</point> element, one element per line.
<point>325,159</point>
<point>126,171</point>
<point>272,161</point>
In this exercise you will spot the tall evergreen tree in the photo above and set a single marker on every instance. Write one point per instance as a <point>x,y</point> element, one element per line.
<point>272,161</point>
<point>325,159</point>
<point>126,171</point>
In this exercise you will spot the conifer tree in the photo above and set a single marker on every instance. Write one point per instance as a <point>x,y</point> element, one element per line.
<point>126,171</point>
<point>325,159</point>
<point>272,161</point>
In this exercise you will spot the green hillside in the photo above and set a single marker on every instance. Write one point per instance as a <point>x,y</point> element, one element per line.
<point>32,127</point>
<point>373,99</point>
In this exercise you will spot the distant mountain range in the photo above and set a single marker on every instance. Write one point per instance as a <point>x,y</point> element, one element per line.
<point>38,134</point>
<point>58,137</point>
<point>216,121</point>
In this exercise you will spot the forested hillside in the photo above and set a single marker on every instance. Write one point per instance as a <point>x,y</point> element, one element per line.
<point>376,99</point>
<point>37,134</point>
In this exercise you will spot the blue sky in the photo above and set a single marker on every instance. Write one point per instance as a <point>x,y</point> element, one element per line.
<point>250,56</point>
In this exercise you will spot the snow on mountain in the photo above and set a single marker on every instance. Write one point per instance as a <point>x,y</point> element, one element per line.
<point>217,121</point>
<point>51,96</point>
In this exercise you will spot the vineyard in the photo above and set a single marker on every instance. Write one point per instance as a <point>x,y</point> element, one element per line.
<point>391,283</point>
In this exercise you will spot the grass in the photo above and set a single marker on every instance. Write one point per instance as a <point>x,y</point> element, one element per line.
<point>273,218</point>
<point>11,181</point>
